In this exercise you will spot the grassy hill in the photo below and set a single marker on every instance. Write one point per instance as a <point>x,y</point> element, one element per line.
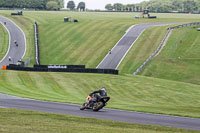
<point>177,61</point>
<point>127,92</point>
<point>87,42</point>
<point>4,41</point>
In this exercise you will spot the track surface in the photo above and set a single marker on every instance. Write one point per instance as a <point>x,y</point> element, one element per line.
<point>15,33</point>
<point>119,51</point>
<point>107,114</point>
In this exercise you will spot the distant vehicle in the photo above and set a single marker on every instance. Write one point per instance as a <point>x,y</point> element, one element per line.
<point>9,58</point>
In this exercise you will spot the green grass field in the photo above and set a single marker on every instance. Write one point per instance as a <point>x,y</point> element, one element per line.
<point>177,61</point>
<point>87,42</point>
<point>127,92</point>
<point>4,41</point>
<point>19,121</point>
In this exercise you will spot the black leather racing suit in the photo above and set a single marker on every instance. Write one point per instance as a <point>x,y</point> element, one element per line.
<point>101,92</point>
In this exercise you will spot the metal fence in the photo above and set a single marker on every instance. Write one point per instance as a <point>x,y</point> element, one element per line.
<point>161,45</point>
<point>37,52</point>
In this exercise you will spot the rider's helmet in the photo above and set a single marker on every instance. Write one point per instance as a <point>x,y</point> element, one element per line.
<point>103,88</point>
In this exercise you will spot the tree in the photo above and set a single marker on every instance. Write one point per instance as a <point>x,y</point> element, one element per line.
<point>109,7</point>
<point>36,4</point>
<point>52,5</point>
<point>71,5</point>
<point>189,5</point>
<point>60,3</point>
<point>118,6</point>
<point>81,6</point>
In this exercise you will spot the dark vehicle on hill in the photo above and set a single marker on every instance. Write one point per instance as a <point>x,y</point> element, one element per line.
<point>95,102</point>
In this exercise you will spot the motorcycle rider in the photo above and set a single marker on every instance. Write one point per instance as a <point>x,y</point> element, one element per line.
<point>101,91</point>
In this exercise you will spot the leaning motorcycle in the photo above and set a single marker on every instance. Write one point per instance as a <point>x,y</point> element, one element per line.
<point>96,103</point>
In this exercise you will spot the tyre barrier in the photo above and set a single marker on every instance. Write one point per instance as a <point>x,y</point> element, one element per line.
<point>18,13</point>
<point>62,68</point>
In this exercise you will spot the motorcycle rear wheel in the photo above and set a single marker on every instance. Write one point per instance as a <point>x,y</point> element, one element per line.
<point>98,106</point>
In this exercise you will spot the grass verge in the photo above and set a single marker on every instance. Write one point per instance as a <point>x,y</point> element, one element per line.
<point>4,41</point>
<point>19,121</point>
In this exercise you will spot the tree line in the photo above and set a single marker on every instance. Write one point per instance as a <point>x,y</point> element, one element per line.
<point>72,6</point>
<point>34,4</point>
<point>167,6</point>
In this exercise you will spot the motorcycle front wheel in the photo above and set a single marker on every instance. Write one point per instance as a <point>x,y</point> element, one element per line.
<point>82,107</point>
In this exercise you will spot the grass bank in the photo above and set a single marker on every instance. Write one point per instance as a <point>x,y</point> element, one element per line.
<point>178,61</point>
<point>4,41</point>
<point>19,121</point>
<point>85,42</point>
<point>127,92</point>
<point>143,48</point>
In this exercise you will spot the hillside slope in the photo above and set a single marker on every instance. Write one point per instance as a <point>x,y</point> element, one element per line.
<point>178,61</point>
<point>4,41</point>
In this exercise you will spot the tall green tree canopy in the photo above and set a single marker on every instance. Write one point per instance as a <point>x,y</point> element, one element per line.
<point>118,6</point>
<point>160,6</point>
<point>109,7</point>
<point>52,5</point>
<point>71,5</point>
<point>36,4</point>
<point>81,6</point>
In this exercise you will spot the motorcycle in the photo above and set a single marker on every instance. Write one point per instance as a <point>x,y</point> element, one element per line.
<point>96,103</point>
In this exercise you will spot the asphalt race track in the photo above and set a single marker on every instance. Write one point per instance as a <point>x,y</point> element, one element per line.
<point>107,114</point>
<point>15,33</point>
<point>119,51</point>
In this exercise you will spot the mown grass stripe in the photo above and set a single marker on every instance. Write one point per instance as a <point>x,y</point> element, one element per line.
<point>4,41</point>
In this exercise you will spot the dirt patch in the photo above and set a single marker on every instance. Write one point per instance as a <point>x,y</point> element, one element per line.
<point>165,42</point>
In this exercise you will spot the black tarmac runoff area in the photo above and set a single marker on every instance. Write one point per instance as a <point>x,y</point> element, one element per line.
<point>15,52</point>
<point>7,101</point>
<point>119,51</point>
